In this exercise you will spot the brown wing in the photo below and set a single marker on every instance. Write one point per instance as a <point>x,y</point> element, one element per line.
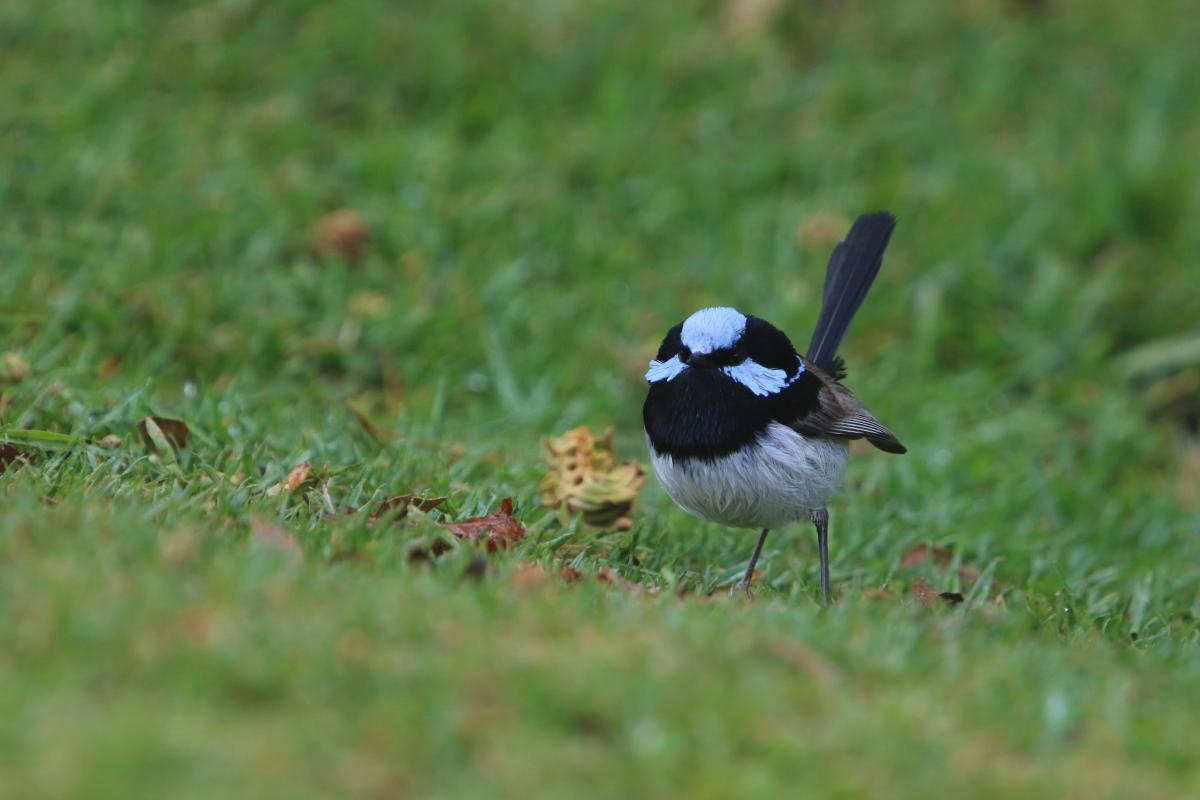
<point>839,413</point>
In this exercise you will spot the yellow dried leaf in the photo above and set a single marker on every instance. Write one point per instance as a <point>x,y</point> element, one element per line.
<point>299,476</point>
<point>585,479</point>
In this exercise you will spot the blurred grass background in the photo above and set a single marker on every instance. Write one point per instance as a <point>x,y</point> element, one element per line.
<point>548,186</point>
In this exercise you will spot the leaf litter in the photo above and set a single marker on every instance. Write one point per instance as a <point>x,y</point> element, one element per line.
<point>585,478</point>
<point>163,434</point>
<point>940,558</point>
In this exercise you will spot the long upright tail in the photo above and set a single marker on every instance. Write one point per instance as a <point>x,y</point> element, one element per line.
<point>852,269</point>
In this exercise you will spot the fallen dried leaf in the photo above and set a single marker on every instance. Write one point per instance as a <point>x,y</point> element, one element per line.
<point>163,433</point>
<point>343,234</point>
<point>401,504</point>
<point>570,574</point>
<point>585,479</point>
<point>926,594</point>
<point>10,454</point>
<point>271,536</point>
<point>112,440</point>
<point>300,475</point>
<point>940,557</point>
<point>497,530</point>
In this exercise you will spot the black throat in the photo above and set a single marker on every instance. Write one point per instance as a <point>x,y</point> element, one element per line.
<point>705,414</point>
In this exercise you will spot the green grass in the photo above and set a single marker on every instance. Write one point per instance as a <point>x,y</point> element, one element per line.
<point>550,186</point>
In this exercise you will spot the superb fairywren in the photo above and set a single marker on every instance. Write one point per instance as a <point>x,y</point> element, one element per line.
<point>745,431</point>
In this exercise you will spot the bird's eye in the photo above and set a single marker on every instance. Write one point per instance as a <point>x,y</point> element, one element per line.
<point>685,355</point>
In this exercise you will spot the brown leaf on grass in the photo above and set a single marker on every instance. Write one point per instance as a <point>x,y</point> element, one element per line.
<point>940,557</point>
<point>570,574</point>
<point>162,432</point>
<point>585,478</point>
<point>926,595</point>
<point>401,504</point>
<point>301,474</point>
<point>13,456</point>
<point>272,537</point>
<point>496,530</point>
<point>342,234</point>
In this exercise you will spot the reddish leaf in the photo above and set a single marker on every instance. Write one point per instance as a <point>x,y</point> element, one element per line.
<point>495,530</point>
<point>174,431</point>
<point>570,574</point>
<point>926,595</point>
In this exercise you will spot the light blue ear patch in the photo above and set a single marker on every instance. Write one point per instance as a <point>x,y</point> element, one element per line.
<point>665,370</point>
<point>763,381</point>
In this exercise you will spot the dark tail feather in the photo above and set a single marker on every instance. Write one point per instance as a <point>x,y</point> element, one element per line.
<point>852,269</point>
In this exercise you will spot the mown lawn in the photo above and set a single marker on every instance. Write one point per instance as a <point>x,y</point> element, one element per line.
<point>547,187</point>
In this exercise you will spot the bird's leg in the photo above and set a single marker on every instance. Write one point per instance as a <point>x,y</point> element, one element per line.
<point>820,518</point>
<point>745,582</point>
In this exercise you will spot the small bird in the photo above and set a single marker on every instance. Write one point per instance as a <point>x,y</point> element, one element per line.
<point>745,431</point>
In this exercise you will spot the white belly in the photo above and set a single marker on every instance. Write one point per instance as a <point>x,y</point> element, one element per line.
<point>765,485</point>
